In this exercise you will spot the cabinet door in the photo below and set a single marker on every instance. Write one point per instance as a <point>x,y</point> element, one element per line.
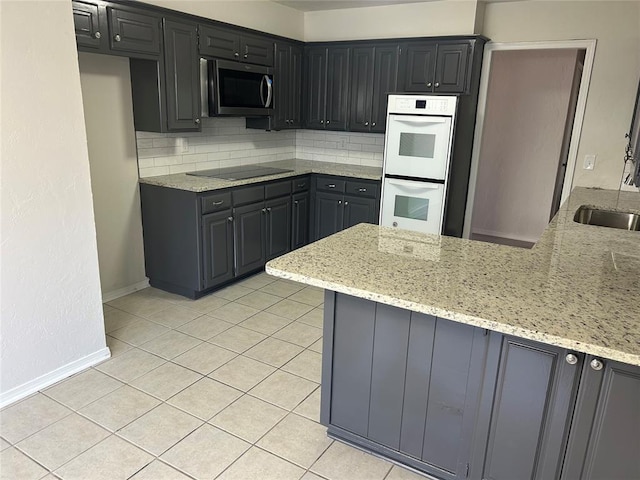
<point>527,409</point>
<point>278,233</point>
<point>300,220</point>
<point>315,85</point>
<point>419,67</point>
<point>87,26</point>
<point>328,214</point>
<point>133,32</point>
<point>295,86</point>
<point>217,248</point>
<point>249,227</point>
<point>256,50</point>
<point>451,68</point>
<point>219,42</point>
<point>359,210</point>
<point>362,66</point>
<point>182,76</point>
<point>604,443</point>
<point>337,88</point>
<point>385,81</point>
<point>281,86</point>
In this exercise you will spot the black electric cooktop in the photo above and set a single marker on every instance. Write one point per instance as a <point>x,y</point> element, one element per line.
<point>239,173</point>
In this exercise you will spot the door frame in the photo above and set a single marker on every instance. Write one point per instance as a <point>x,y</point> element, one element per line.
<point>590,47</point>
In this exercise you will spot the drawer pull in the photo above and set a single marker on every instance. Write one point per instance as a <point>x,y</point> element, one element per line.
<point>331,185</point>
<point>301,185</point>
<point>215,204</point>
<point>362,190</point>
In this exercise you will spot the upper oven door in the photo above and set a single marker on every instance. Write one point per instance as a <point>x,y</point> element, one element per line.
<point>242,89</point>
<point>418,146</point>
<point>412,205</point>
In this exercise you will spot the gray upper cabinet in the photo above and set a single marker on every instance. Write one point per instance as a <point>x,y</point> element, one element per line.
<point>232,44</point>
<point>287,86</point>
<point>182,76</point>
<point>90,35</point>
<point>436,67</point>
<point>326,83</point>
<point>374,73</point>
<point>604,443</point>
<point>133,32</point>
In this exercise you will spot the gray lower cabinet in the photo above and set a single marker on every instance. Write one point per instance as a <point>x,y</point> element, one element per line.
<point>217,242</point>
<point>249,237</point>
<point>456,401</point>
<point>278,227</point>
<point>300,220</point>
<point>328,214</point>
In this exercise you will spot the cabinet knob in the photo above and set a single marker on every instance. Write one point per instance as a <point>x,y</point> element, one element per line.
<point>264,210</point>
<point>429,84</point>
<point>373,124</point>
<point>327,122</point>
<point>366,124</point>
<point>97,35</point>
<point>197,121</point>
<point>571,359</point>
<point>339,202</point>
<point>596,364</point>
<point>269,210</point>
<point>295,202</point>
<point>245,55</point>
<point>437,85</point>
<point>117,37</point>
<point>230,219</point>
<point>236,54</point>
<point>321,122</point>
<point>346,203</point>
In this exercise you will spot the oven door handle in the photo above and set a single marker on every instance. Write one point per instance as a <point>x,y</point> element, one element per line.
<point>422,120</point>
<point>412,185</point>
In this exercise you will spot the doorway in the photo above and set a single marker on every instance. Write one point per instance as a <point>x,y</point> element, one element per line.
<point>530,110</point>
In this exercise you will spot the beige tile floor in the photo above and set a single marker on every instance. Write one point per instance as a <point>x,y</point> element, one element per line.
<point>224,387</point>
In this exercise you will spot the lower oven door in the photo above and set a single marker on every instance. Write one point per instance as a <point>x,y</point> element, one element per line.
<point>412,205</point>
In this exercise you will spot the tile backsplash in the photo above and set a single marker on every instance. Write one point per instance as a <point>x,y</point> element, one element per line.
<point>225,142</point>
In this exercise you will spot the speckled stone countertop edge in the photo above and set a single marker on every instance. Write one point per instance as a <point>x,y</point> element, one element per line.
<point>596,350</point>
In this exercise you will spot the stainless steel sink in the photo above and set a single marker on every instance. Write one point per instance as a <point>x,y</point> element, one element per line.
<point>607,218</point>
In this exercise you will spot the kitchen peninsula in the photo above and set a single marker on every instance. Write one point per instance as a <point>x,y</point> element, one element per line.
<point>467,359</point>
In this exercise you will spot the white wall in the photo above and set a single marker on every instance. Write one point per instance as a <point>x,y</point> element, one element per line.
<point>527,104</point>
<point>444,17</point>
<point>51,316</point>
<point>261,15</point>
<point>108,111</point>
<point>616,26</point>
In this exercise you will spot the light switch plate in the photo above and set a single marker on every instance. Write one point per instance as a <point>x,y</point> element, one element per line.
<point>589,162</point>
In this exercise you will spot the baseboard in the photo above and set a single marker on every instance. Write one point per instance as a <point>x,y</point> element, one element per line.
<point>121,292</point>
<point>508,236</point>
<point>44,381</point>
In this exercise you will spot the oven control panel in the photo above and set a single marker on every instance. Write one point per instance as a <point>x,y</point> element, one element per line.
<point>423,104</point>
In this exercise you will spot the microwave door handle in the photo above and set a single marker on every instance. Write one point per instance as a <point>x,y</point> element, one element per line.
<point>269,91</point>
<point>262,99</point>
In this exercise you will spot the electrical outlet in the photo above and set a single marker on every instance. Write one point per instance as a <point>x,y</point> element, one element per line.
<point>589,162</point>
<point>184,145</point>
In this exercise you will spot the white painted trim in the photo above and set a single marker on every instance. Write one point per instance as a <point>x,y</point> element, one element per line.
<point>590,47</point>
<point>48,379</point>
<point>121,292</point>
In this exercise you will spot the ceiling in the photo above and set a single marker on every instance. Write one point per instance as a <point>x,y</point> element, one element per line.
<point>315,5</point>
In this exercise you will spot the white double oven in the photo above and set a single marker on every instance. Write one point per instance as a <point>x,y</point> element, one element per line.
<point>417,156</point>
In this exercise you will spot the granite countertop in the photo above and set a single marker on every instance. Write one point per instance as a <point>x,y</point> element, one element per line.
<point>182,181</point>
<point>577,288</point>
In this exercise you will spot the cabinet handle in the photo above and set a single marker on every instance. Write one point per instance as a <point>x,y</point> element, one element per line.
<point>97,35</point>
<point>236,54</point>
<point>197,121</point>
<point>215,204</point>
<point>230,219</point>
<point>117,37</point>
<point>571,359</point>
<point>429,84</point>
<point>362,190</point>
<point>437,85</point>
<point>331,185</point>
<point>366,124</point>
<point>301,185</point>
<point>596,364</point>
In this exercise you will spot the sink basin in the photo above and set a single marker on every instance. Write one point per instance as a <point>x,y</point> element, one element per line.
<point>607,218</point>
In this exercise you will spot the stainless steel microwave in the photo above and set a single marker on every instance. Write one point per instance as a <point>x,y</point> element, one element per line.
<point>232,88</point>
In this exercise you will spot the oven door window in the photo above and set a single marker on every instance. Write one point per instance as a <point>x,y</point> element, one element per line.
<point>414,208</point>
<point>417,145</point>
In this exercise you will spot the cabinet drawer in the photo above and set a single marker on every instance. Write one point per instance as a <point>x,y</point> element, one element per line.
<point>300,184</point>
<point>216,202</point>
<point>362,189</point>
<point>278,189</point>
<point>330,184</point>
<point>243,196</point>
